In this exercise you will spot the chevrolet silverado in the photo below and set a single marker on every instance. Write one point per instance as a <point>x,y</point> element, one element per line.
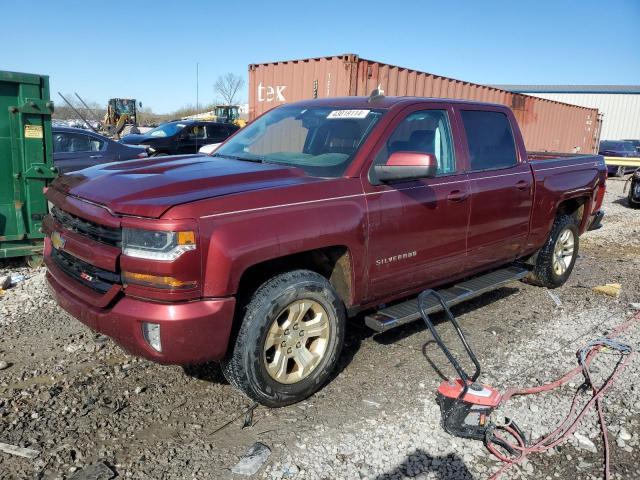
<point>257,255</point>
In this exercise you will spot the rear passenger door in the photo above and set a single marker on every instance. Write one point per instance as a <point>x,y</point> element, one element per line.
<point>501,185</point>
<point>216,133</point>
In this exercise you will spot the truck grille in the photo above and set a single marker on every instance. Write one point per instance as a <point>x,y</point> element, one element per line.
<point>90,276</point>
<point>108,235</point>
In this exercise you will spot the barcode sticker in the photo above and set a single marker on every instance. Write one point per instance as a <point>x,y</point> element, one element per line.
<point>348,114</point>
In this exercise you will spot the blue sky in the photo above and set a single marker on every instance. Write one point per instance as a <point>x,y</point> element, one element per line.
<point>148,49</point>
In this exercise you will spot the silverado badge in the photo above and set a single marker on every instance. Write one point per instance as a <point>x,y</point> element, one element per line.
<point>57,241</point>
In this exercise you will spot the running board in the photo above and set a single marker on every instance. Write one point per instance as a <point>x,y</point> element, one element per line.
<point>405,312</point>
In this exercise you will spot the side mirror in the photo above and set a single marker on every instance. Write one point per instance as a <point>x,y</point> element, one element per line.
<point>407,166</point>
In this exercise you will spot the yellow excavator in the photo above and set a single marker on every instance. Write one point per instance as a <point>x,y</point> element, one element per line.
<point>121,117</point>
<point>229,114</point>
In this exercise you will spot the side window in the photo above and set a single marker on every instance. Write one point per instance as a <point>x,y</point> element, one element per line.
<point>426,131</point>
<point>75,143</point>
<point>216,133</point>
<point>490,139</point>
<point>95,145</point>
<point>196,132</point>
<point>60,143</point>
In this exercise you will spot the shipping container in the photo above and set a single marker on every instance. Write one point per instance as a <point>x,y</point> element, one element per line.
<point>26,163</point>
<point>546,125</point>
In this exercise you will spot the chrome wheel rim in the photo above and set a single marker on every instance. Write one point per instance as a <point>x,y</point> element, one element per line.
<point>563,251</point>
<point>297,341</point>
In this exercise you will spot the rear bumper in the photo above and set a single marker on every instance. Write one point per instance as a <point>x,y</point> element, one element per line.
<point>596,221</point>
<point>190,332</point>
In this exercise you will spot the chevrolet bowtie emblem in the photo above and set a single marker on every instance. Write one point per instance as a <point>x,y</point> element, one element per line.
<point>57,241</point>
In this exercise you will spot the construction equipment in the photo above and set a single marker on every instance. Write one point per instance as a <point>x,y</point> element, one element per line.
<point>26,163</point>
<point>121,117</point>
<point>229,114</point>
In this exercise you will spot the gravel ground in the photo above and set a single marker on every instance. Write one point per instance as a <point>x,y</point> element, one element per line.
<point>84,404</point>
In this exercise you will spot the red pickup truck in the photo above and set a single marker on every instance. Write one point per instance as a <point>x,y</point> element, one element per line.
<point>256,255</point>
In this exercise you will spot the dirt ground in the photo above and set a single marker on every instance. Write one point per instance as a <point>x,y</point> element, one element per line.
<point>80,401</point>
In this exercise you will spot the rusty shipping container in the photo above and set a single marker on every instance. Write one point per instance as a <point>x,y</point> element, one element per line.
<point>547,125</point>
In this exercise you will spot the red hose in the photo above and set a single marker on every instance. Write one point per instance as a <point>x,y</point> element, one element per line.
<point>567,426</point>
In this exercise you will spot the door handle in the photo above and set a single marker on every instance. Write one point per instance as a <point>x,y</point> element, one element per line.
<point>523,185</point>
<point>95,156</point>
<point>457,196</point>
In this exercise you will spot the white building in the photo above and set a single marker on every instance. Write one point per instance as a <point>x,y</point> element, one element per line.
<point>618,104</point>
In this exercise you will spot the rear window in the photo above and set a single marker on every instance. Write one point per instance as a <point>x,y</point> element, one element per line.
<point>490,139</point>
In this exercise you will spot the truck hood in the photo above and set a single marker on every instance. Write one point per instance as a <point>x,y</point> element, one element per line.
<point>137,138</point>
<point>148,188</point>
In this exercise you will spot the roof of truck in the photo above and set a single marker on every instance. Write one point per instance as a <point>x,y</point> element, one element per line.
<point>383,102</point>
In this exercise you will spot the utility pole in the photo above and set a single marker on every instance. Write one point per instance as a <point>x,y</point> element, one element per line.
<point>197,87</point>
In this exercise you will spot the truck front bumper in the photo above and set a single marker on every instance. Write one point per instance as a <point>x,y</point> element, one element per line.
<point>190,332</point>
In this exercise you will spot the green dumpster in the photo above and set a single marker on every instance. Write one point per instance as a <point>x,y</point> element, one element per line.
<point>26,163</point>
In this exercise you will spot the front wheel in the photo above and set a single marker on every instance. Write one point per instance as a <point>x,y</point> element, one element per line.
<point>557,257</point>
<point>289,341</point>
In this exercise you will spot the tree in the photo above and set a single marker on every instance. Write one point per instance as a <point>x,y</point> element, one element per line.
<point>228,87</point>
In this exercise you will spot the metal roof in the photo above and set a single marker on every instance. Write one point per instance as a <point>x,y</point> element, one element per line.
<point>616,89</point>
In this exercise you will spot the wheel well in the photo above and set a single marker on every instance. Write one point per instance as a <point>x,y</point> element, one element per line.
<point>333,263</point>
<point>573,207</point>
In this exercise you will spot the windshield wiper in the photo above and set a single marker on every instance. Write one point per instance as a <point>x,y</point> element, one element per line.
<point>236,157</point>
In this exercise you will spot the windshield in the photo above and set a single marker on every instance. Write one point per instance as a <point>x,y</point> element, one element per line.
<point>322,141</point>
<point>166,130</point>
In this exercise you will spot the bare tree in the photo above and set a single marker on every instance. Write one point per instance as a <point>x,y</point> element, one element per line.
<point>228,87</point>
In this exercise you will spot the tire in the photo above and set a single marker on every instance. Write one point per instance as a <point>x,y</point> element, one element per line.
<point>273,321</point>
<point>549,270</point>
<point>630,201</point>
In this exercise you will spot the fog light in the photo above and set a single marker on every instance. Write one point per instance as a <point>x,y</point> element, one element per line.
<point>151,333</point>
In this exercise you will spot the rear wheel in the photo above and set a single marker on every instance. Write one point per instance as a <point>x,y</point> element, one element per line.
<point>289,341</point>
<point>630,198</point>
<point>557,257</point>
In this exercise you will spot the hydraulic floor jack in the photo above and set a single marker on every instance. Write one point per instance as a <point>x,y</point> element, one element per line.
<point>469,408</point>
<point>466,406</point>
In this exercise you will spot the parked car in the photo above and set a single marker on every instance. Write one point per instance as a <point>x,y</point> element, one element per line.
<point>181,136</point>
<point>617,148</point>
<point>75,149</point>
<point>636,143</point>
<point>209,148</point>
<point>314,212</point>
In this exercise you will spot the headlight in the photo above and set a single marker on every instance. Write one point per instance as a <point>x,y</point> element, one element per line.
<point>156,245</point>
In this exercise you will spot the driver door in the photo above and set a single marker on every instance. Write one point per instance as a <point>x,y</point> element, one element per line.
<point>418,228</point>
